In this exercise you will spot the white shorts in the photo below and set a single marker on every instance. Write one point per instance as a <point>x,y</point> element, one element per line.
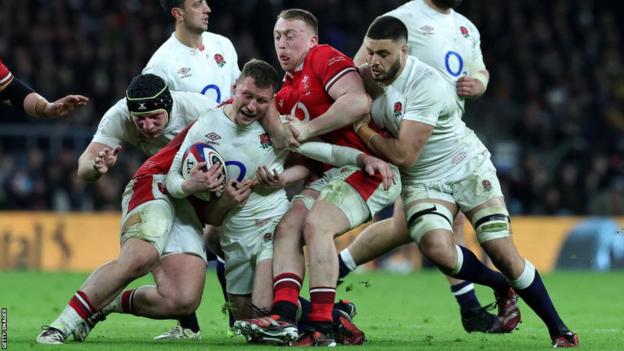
<point>358,195</point>
<point>478,186</point>
<point>245,243</point>
<point>149,214</point>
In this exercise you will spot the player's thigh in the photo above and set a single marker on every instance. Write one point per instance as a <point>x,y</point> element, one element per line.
<point>428,212</point>
<point>291,224</point>
<point>356,195</point>
<point>147,213</point>
<point>185,237</point>
<point>480,197</point>
<point>181,276</point>
<point>246,243</point>
<point>458,228</point>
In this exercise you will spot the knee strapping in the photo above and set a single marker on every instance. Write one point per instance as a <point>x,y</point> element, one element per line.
<point>526,277</point>
<point>307,200</point>
<point>460,261</point>
<point>491,223</point>
<point>426,216</point>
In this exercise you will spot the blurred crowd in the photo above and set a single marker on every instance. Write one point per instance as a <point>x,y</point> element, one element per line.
<point>553,115</point>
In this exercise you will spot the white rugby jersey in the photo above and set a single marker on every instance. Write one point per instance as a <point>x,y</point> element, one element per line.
<point>448,42</point>
<point>210,70</point>
<point>420,94</point>
<point>116,125</point>
<point>244,149</point>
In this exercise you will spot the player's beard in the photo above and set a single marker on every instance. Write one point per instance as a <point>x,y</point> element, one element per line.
<point>391,72</point>
<point>447,4</point>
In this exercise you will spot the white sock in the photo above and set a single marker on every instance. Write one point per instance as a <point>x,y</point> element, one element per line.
<point>67,321</point>
<point>526,278</point>
<point>348,259</point>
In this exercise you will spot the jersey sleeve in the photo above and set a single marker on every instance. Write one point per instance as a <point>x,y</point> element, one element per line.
<point>330,65</point>
<point>112,129</point>
<point>193,105</point>
<point>424,102</point>
<point>5,76</point>
<point>476,63</point>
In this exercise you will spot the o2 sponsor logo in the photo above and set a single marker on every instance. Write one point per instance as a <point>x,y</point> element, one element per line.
<point>216,89</point>
<point>454,63</point>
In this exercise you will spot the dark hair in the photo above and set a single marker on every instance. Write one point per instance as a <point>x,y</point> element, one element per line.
<point>387,27</point>
<point>262,72</point>
<point>299,14</point>
<point>167,5</point>
<point>148,92</point>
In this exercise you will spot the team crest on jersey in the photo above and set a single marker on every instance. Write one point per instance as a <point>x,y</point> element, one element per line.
<point>219,60</point>
<point>464,31</point>
<point>265,141</point>
<point>398,109</point>
<point>212,138</point>
<point>267,237</point>
<point>487,186</point>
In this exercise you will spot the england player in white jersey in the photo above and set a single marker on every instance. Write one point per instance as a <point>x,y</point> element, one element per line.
<point>149,131</point>
<point>193,59</point>
<point>445,168</point>
<point>234,132</point>
<point>157,233</point>
<point>449,42</point>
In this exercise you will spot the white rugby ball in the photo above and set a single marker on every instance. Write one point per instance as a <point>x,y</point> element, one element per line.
<point>200,152</point>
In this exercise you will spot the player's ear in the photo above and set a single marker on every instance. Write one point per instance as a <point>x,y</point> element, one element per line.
<point>177,13</point>
<point>405,50</point>
<point>313,40</point>
<point>233,92</point>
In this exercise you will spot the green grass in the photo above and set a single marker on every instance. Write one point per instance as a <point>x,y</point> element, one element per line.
<point>406,312</point>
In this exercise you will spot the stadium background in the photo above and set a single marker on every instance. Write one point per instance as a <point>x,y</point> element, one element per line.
<point>552,116</point>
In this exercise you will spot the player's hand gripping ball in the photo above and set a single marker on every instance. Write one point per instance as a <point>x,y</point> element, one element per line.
<point>201,152</point>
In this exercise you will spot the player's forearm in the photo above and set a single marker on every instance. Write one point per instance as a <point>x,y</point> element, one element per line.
<point>35,105</point>
<point>176,185</point>
<point>482,76</point>
<point>273,126</point>
<point>331,154</point>
<point>86,168</point>
<point>390,149</point>
<point>294,174</point>
<point>343,112</point>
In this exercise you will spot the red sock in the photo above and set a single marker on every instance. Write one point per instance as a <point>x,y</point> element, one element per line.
<point>322,299</point>
<point>81,304</point>
<point>126,301</point>
<point>286,287</point>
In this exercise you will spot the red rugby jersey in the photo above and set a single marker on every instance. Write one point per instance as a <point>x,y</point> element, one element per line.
<point>304,93</point>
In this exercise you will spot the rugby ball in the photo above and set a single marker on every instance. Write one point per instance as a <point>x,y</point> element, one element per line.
<point>200,152</point>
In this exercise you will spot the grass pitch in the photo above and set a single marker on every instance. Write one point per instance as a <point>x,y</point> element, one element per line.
<point>397,312</point>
